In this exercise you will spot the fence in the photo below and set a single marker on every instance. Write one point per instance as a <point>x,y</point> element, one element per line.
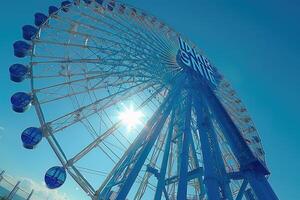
<point>11,190</point>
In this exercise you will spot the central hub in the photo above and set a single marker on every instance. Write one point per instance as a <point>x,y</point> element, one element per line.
<point>188,58</point>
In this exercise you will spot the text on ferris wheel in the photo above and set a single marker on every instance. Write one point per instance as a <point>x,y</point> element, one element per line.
<point>197,62</point>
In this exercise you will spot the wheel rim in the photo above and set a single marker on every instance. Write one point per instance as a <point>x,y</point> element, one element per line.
<point>88,62</point>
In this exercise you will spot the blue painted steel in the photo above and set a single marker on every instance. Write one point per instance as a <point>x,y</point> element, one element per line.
<point>153,134</point>
<point>127,158</point>
<point>21,48</point>
<point>249,195</point>
<point>183,179</point>
<point>65,5</point>
<point>219,163</point>
<point>20,101</point>
<point>200,174</point>
<point>232,134</point>
<point>40,19</point>
<point>31,137</point>
<point>211,175</point>
<point>162,174</point>
<point>260,186</point>
<point>29,32</point>
<point>55,177</point>
<point>52,10</point>
<point>179,141</point>
<point>191,175</point>
<point>242,190</point>
<point>209,137</point>
<point>248,162</point>
<point>18,72</point>
<point>152,170</point>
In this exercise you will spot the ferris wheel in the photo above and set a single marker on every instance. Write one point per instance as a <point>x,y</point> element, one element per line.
<point>134,110</point>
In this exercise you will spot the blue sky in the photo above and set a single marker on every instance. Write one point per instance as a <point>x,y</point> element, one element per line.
<point>255,44</point>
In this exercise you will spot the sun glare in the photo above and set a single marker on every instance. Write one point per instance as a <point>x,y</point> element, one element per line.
<point>130,117</point>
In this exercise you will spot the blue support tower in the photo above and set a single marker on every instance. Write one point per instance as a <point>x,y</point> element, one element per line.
<point>196,112</point>
<point>193,102</point>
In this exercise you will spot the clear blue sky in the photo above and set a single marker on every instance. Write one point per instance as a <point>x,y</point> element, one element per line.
<point>255,44</point>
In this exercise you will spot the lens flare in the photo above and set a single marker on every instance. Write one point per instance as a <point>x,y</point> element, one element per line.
<point>130,117</point>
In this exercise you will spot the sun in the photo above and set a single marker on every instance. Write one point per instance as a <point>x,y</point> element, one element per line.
<point>130,117</point>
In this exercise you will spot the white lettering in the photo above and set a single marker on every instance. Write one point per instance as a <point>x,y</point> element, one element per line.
<point>197,62</point>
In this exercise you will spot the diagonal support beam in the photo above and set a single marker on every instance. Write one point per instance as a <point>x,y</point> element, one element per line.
<point>200,174</point>
<point>254,170</point>
<point>242,190</point>
<point>126,170</point>
<point>211,180</point>
<point>183,173</point>
<point>191,175</point>
<point>161,178</point>
<point>126,186</point>
<point>260,186</point>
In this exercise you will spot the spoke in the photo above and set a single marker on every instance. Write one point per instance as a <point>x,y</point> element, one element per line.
<point>93,144</point>
<point>57,95</point>
<point>106,32</point>
<point>88,110</point>
<point>129,32</point>
<point>109,132</point>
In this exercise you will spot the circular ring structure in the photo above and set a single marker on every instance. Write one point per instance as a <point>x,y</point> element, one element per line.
<point>91,62</point>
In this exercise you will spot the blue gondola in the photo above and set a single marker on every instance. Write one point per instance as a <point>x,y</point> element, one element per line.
<point>55,177</point>
<point>29,32</point>
<point>65,5</point>
<point>52,10</point>
<point>31,137</point>
<point>40,19</point>
<point>21,48</point>
<point>18,72</point>
<point>20,101</point>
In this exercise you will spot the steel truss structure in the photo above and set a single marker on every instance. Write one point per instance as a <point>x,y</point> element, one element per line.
<point>87,60</point>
